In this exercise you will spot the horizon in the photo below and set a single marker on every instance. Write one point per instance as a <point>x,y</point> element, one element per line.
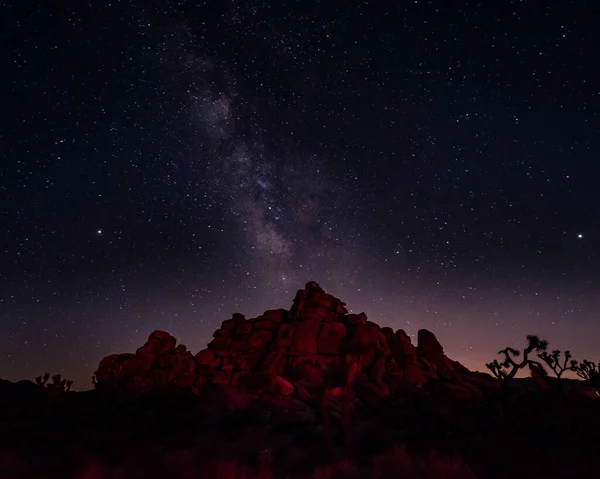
<point>84,383</point>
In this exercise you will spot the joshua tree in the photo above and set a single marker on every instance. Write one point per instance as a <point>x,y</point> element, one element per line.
<point>589,371</point>
<point>42,380</point>
<point>558,365</point>
<point>58,385</point>
<point>538,374</point>
<point>508,368</point>
<point>499,370</point>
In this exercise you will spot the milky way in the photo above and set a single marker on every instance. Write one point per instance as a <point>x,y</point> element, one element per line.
<point>169,164</point>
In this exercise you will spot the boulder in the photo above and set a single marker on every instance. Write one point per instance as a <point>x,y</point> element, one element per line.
<point>428,347</point>
<point>222,333</point>
<point>305,339</point>
<point>265,325</point>
<point>275,362</point>
<point>357,318</point>
<point>413,376</point>
<point>367,342</point>
<point>219,344</point>
<point>283,387</point>
<point>405,347</point>
<point>378,371</point>
<point>320,301</point>
<point>158,343</point>
<point>331,338</point>
<point>275,315</point>
<point>317,314</point>
<point>238,345</point>
<point>285,335</point>
<point>245,362</point>
<point>259,339</point>
<point>138,365</point>
<point>388,333</point>
<point>243,329</point>
<point>221,377</point>
<point>370,393</point>
<point>313,287</point>
<point>175,363</point>
<point>258,380</point>
<point>228,325</point>
<point>208,357</point>
<point>267,383</point>
<point>111,368</point>
<point>339,307</point>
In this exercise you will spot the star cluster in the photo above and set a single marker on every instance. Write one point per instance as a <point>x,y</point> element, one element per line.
<point>166,164</point>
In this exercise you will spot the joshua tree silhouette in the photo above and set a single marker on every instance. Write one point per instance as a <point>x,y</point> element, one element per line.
<point>57,387</point>
<point>507,369</point>
<point>589,371</point>
<point>557,364</point>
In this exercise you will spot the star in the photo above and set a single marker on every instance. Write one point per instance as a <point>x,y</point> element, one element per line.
<point>226,189</point>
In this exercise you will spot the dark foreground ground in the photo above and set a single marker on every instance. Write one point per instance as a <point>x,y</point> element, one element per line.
<point>228,433</point>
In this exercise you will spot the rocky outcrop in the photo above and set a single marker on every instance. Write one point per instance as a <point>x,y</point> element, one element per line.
<point>431,351</point>
<point>316,348</point>
<point>159,365</point>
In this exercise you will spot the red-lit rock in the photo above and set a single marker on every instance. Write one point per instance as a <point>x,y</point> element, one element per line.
<point>378,371</point>
<point>428,346</point>
<point>404,348</point>
<point>305,339</point>
<point>331,338</point>
<point>219,344</point>
<point>275,315</point>
<point>208,357</point>
<point>430,349</point>
<point>260,339</point>
<point>314,348</point>
<point>222,333</point>
<point>285,335</point>
<point>228,325</point>
<point>357,318</point>
<point>387,332</point>
<point>275,362</point>
<point>243,329</point>
<point>158,343</point>
<point>265,325</point>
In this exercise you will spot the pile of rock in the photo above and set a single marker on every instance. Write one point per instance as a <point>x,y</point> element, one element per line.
<point>159,365</point>
<point>314,349</point>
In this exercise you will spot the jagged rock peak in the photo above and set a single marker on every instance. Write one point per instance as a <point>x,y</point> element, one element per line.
<point>313,286</point>
<point>315,346</point>
<point>313,302</point>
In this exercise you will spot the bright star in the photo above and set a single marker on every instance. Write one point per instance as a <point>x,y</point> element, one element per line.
<point>580,236</point>
<point>99,232</point>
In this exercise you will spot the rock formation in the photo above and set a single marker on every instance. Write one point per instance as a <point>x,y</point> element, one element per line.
<point>315,349</point>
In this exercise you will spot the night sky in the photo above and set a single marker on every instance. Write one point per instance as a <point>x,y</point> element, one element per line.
<point>168,163</point>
